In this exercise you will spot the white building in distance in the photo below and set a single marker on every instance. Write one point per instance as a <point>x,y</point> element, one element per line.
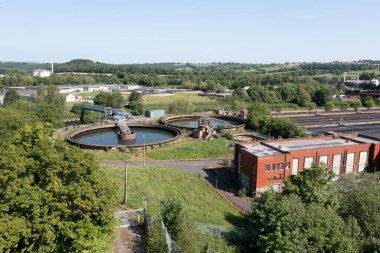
<point>41,72</point>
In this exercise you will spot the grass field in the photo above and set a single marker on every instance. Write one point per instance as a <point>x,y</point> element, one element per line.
<point>154,183</point>
<point>190,149</point>
<point>215,148</point>
<point>200,103</point>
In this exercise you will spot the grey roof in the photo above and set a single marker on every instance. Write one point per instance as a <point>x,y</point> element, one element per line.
<point>277,148</point>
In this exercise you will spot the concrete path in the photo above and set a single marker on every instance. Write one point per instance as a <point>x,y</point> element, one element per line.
<point>211,170</point>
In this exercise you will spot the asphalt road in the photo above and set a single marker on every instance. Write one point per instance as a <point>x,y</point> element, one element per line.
<point>205,168</point>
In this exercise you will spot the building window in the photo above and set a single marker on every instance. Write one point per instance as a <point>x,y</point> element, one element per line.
<point>308,162</point>
<point>362,161</point>
<point>277,166</point>
<point>267,167</point>
<point>282,165</point>
<point>324,159</point>
<point>273,167</point>
<point>287,166</point>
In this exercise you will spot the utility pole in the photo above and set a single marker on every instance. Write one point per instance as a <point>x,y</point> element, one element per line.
<point>125,178</point>
<point>216,183</point>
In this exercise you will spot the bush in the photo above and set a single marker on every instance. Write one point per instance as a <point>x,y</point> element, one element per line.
<point>155,242</point>
<point>329,106</point>
<point>242,192</point>
<point>311,106</point>
<point>228,136</point>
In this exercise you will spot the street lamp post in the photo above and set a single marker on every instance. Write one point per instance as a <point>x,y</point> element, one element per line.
<point>125,178</point>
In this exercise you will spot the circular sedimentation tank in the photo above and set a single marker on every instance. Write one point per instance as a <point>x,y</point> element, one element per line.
<point>190,122</point>
<point>106,136</point>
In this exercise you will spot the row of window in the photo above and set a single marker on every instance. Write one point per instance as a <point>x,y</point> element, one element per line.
<point>277,166</point>
<point>339,163</point>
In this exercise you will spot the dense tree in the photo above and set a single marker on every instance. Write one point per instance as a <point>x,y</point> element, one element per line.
<point>114,99</point>
<point>368,102</point>
<point>321,96</point>
<point>313,185</point>
<point>329,106</point>
<point>360,200</point>
<point>285,224</point>
<point>11,97</point>
<point>303,217</point>
<point>135,103</point>
<point>53,197</point>
<point>258,116</point>
<point>284,127</point>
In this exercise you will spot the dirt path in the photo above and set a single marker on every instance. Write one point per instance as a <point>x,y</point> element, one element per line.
<point>129,240</point>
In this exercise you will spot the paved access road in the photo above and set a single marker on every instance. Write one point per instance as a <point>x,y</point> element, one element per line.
<point>205,169</point>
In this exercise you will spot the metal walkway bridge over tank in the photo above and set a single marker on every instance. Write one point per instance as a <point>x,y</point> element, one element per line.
<point>108,111</point>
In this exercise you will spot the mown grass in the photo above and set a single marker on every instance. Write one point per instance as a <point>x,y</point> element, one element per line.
<point>190,149</point>
<point>193,149</point>
<point>155,183</point>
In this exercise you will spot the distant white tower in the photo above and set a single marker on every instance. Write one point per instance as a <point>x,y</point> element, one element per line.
<point>52,66</point>
<point>344,77</point>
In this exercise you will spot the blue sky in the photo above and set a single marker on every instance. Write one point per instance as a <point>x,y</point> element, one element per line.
<point>140,31</point>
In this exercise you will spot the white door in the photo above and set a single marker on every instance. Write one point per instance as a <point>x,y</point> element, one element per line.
<point>362,161</point>
<point>276,187</point>
<point>323,159</point>
<point>350,162</point>
<point>295,166</point>
<point>308,162</point>
<point>336,164</point>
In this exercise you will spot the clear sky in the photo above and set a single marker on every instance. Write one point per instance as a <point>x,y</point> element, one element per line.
<point>139,31</point>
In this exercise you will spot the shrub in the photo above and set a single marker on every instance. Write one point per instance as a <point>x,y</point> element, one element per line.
<point>242,192</point>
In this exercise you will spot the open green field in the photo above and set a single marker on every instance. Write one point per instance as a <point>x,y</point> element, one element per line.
<point>200,103</point>
<point>194,149</point>
<point>154,183</point>
<point>190,149</point>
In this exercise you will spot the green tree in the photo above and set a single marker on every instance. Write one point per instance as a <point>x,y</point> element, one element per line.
<point>329,106</point>
<point>11,97</point>
<point>321,96</point>
<point>258,116</point>
<point>103,99</point>
<point>135,103</point>
<point>53,197</point>
<point>313,185</point>
<point>117,100</point>
<point>285,128</point>
<point>359,199</point>
<point>77,109</point>
<point>283,223</point>
<point>356,104</point>
<point>368,102</point>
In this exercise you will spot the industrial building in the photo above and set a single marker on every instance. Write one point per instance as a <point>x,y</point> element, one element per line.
<point>157,113</point>
<point>42,72</point>
<point>260,165</point>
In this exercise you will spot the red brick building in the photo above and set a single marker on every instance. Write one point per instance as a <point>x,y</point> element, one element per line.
<point>263,164</point>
